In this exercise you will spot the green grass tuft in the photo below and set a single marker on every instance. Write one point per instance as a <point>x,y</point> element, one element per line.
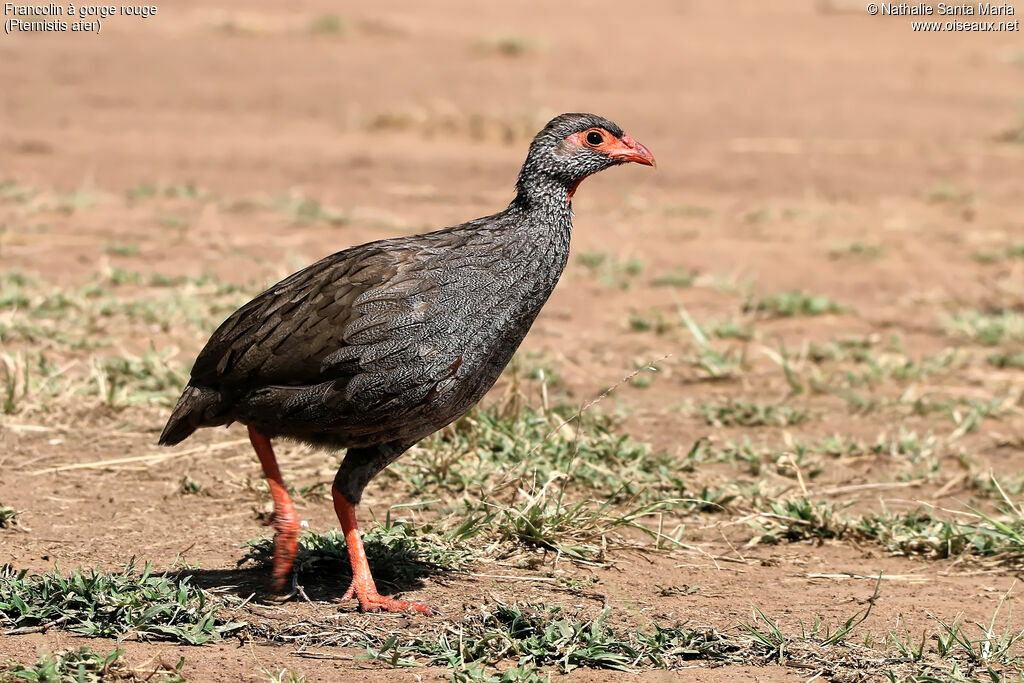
<point>732,413</point>
<point>680,277</point>
<point>793,303</point>
<point>8,516</point>
<point>984,328</point>
<point>540,635</point>
<point>610,270</point>
<point>95,603</point>
<point>85,666</point>
<point>327,25</point>
<point>509,45</point>
<point>498,447</point>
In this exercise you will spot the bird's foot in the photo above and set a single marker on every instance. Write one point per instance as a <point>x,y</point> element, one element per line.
<point>278,593</point>
<point>372,601</point>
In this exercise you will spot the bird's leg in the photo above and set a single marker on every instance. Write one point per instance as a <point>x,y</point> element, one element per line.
<point>357,469</point>
<point>363,588</point>
<point>286,521</point>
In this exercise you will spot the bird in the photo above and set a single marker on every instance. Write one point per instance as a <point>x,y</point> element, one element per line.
<point>377,346</point>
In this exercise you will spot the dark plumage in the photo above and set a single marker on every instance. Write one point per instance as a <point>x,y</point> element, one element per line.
<point>382,344</point>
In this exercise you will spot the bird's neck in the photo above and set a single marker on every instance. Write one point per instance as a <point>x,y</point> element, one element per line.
<point>539,243</point>
<point>542,194</point>
<point>545,210</point>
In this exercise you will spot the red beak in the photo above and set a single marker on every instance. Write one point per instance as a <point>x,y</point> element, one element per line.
<point>629,149</point>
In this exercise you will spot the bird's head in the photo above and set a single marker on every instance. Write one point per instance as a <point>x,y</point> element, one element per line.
<point>572,147</point>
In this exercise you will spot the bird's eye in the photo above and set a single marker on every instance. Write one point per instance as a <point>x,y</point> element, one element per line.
<point>594,138</point>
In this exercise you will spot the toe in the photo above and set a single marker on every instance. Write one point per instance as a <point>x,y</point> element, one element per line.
<point>379,603</point>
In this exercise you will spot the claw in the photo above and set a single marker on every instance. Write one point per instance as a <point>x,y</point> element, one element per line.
<point>372,601</point>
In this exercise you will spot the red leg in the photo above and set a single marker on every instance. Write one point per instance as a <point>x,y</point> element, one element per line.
<point>286,521</point>
<point>363,587</point>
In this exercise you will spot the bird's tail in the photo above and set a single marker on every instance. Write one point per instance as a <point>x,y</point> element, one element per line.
<point>195,409</point>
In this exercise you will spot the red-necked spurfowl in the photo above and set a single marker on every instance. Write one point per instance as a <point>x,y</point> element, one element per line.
<point>377,346</point>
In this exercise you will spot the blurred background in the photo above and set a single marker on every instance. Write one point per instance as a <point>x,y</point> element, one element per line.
<point>412,118</point>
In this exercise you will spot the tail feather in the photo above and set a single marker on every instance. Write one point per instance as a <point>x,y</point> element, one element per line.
<point>196,408</point>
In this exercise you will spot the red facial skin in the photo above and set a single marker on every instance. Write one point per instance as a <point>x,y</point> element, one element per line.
<point>622,149</point>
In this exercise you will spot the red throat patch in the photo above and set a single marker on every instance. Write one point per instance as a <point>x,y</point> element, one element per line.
<point>572,190</point>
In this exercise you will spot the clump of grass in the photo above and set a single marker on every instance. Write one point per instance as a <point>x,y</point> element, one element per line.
<point>731,329</point>
<point>796,460</point>
<point>798,519</point>
<point>610,270</point>
<point>732,413</point>
<point>717,364</point>
<point>793,303</point>
<point>495,447</point>
<point>1006,359</point>
<point>679,277</point>
<point>1015,133</point>
<point>36,381</point>
<point>576,530</point>
<point>303,210</point>
<point>509,45</point>
<point>915,532</point>
<point>119,276</point>
<point>755,216</point>
<point>984,328</point>
<point>8,516</point>
<point>55,324</point>
<point>541,635</point>
<point>172,221</point>
<point>13,192</point>
<point>284,676</point>
<point>327,25</point>
<point>188,486</point>
<point>946,192</point>
<point>862,250</point>
<point>852,349</point>
<point>473,457</point>
<point>105,605</point>
<point>652,321</point>
<point>767,636</point>
<point>919,532</point>
<point>533,366</point>
<point>82,197</point>
<point>186,190</point>
<point>398,550</point>
<point>1010,251</point>
<point>998,536</point>
<point>127,380</point>
<point>993,647</point>
<point>122,249</point>
<point>85,666</point>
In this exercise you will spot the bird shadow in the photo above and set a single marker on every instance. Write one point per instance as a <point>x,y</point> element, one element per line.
<point>322,568</point>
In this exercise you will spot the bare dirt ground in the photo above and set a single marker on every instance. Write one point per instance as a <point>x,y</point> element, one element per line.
<point>798,148</point>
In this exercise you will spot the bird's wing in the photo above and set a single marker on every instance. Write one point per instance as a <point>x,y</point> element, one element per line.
<point>346,314</point>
